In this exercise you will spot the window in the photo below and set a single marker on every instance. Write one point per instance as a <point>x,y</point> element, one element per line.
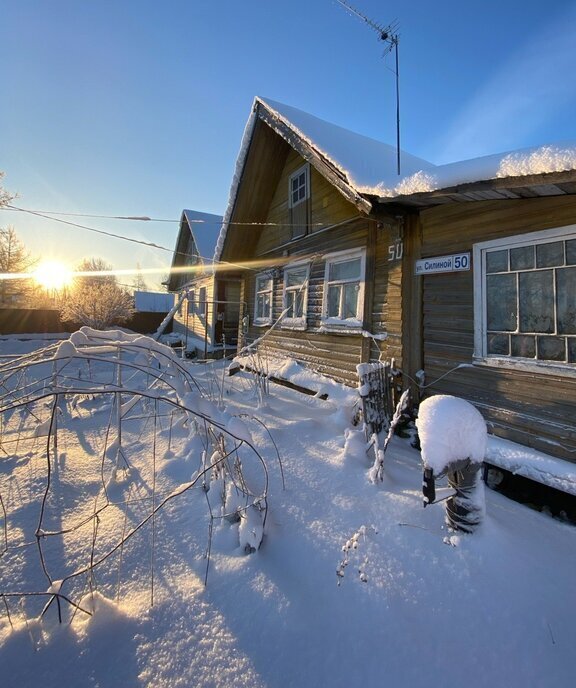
<point>295,296</point>
<point>298,195</point>
<point>263,302</point>
<point>344,289</point>
<point>202,304</point>
<point>526,298</point>
<point>191,300</point>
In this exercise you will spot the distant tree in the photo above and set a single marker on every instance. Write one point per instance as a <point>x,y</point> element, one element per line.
<point>139,283</point>
<point>5,196</point>
<point>14,258</point>
<point>98,271</point>
<point>97,301</point>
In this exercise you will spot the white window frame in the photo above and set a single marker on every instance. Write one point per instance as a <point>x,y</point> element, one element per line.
<point>342,257</point>
<point>300,322</point>
<point>481,355</point>
<point>261,321</point>
<point>305,169</point>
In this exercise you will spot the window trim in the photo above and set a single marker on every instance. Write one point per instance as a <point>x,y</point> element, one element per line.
<point>191,297</point>
<point>481,357</point>
<point>261,322</point>
<point>353,324</point>
<point>305,168</point>
<point>296,323</point>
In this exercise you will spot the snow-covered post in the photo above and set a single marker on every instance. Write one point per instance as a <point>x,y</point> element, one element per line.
<point>453,439</point>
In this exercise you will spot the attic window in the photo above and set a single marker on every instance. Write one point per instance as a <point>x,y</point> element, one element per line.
<point>298,201</point>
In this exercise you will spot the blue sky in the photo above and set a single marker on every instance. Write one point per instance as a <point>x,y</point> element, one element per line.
<point>135,107</point>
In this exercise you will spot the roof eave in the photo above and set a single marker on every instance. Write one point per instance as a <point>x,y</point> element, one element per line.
<point>500,188</point>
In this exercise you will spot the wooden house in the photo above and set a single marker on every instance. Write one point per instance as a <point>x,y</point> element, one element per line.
<point>489,292</point>
<point>206,317</point>
<point>320,263</point>
<point>463,274</point>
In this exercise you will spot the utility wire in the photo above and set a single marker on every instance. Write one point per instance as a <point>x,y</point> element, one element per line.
<point>145,218</point>
<point>91,229</point>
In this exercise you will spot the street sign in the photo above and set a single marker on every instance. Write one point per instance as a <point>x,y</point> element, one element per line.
<point>457,262</point>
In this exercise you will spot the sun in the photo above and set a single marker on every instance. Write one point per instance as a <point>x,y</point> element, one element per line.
<point>53,275</point>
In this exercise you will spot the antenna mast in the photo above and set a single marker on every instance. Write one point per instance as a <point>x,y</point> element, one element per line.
<point>389,35</point>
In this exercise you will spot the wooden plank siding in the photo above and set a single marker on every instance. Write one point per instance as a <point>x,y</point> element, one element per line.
<point>336,225</point>
<point>538,410</point>
<point>192,317</point>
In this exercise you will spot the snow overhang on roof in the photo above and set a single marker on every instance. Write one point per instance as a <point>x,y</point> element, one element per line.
<point>542,171</point>
<point>367,165</point>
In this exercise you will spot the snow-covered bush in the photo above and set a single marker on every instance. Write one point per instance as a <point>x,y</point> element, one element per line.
<point>126,429</point>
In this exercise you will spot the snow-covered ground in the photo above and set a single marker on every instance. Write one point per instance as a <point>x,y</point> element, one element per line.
<point>416,605</point>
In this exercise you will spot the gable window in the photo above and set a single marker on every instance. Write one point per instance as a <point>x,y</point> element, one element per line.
<point>343,303</point>
<point>298,201</point>
<point>526,298</point>
<point>263,300</point>
<point>295,297</point>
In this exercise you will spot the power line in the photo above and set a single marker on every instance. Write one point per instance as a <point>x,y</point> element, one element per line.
<point>91,229</point>
<point>145,218</point>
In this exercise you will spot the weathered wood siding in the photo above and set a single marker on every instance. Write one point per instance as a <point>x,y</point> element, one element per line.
<point>194,319</point>
<point>387,307</point>
<point>328,207</point>
<point>336,225</point>
<point>537,410</point>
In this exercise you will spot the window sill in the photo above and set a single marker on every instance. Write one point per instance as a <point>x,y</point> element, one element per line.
<point>524,365</point>
<point>293,325</point>
<point>335,326</point>
<point>262,323</point>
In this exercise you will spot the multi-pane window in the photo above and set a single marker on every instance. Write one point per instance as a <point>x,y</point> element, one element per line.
<point>295,296</point>
<point>529,297</point>
<point>298,195</point>
<point>344,289</point>
<point>191,300</point>
<point>263,302</point>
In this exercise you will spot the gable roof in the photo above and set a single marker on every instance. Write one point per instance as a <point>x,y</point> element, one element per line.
<point>197,236</point>
<point>366,164</point>
<point>358,166</point>
<point>364,170</point>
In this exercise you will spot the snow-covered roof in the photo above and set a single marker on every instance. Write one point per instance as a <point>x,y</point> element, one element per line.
<point>366,163</point>
<point>369,167</point>
<point>205,228</point>
<point>153,302</point>
<point>520,163</point>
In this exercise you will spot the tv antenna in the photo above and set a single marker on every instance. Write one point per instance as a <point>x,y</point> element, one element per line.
<point>389,36</point>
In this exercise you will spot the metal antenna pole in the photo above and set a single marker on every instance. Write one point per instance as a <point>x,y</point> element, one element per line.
<point>397,106</point>
<point>389,35</point>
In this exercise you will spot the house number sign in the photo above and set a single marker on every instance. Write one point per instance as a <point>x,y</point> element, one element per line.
<point>457,262</point>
